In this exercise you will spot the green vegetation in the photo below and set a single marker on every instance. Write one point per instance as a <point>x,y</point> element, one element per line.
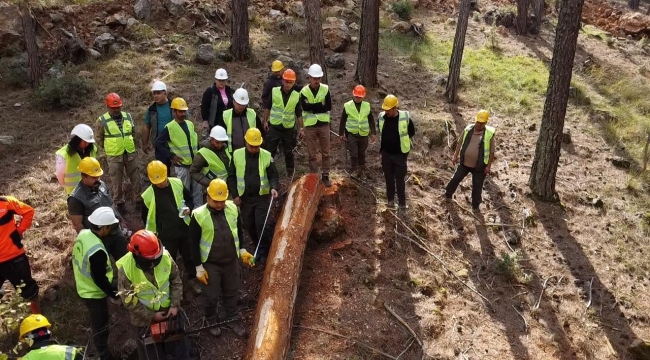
<point>403,9</point>
<point>64,93</point>
<point>13,73</point>
<point>508,266</point>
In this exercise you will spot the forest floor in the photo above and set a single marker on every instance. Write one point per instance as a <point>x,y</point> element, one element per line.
<point>521,280</point>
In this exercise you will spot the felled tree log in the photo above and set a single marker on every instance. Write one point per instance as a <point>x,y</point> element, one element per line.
<point>271,331</point>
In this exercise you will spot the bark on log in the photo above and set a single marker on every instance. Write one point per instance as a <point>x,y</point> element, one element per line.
<point>271,333</point>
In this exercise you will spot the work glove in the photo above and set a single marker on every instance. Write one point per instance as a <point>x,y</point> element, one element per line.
<point>202,275</point>
<point>247,258</point>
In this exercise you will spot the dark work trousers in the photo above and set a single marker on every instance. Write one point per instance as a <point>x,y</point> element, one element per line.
<point>98,309</point>
<point>394,167</point>
<point>478,178</point>
<point>177,349</point>
<point>357,146</point>
<point>17,271</point>
<point>182,246</point>
<point>287,137</point>
<point>224,282</point>
<point>253,212</point>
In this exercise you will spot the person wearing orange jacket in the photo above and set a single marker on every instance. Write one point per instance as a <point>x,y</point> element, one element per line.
<point>14,265</point>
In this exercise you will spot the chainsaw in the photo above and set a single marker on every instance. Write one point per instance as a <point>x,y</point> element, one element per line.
<point>173,329</point>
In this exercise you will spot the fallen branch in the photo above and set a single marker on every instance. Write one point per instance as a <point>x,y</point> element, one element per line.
<point>539,299</point>
<point>503,225</point>
<point>468,211</point>
<point>522,318</point>
<point>403,323</point>
<point>448,134</point>
<point>407,348</point>
<point>591,283</point>
<point>368,347</point>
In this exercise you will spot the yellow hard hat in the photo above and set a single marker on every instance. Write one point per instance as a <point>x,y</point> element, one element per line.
<point>390,101</point>
<point>253,137</point>
<point>483,116</point>
<point>218,190</point>
<point>90,166</point>
<point>179,104</point>
<point>33,322</point>
<point>277,65</point>
<point>157,172</point>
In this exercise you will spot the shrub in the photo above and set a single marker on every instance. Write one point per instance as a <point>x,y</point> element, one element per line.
<point>66,92</point>
<point>403,9</point>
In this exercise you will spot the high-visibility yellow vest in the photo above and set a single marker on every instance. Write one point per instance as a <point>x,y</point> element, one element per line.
<point>149,200</point>
<point>227,119</point>
<point>357,122</point>
<point>86,245</point>
<point>52,352</point>
<point>403,128</point>
<point>116,141</point>
<point>204,219</point>
<point>72,175</point>
<point>149,295</point>
<point>280,113</point>
<point>487,137</point>
<point>216,167</point>
<point>178,141</point>
<point>239,157</point>
<point>309,117</point>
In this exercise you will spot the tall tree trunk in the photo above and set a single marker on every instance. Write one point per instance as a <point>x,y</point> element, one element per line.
<point>633,4</point>
<point>451,92</point>
<point>547,151</point>
<point>315,33</point>
<point>368,57</point>
<point>33,60</point>
<point>239,40</point>
<point>538,10</point>
<point>522,17</point>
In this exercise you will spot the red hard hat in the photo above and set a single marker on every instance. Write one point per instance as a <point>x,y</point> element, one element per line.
<point>289,75</point>
<point>144,243</point>
<point>113,100</point>
<point>359,91</point>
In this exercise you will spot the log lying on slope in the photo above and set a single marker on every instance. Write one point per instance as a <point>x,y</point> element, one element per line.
<point>271,331</point>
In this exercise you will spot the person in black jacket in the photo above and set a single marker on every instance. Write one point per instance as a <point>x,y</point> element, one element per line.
<point>216,99</point>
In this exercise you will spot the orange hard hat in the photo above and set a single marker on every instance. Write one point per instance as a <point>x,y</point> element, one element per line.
<point>113,100</point>
<point>145,243</point>
<point>359,91</point>
<point>289,75</point>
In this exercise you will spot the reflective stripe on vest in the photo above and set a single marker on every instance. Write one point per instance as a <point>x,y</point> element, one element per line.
<point>227,119</point>
<point>149,295</point>
<point>309,117</point>
<point>216,167</point>
<point>117,141</point>
<point>86,245</point>
<point>403,128</point>
<point>357,122</point>
<point>204,219</point>
<point>72,175</point>
<point>239,158</point>
<point>282,114</point>
<point>178,141</point>
<point>487,137</point>
<point>149,200</point>
<point>52,352</point>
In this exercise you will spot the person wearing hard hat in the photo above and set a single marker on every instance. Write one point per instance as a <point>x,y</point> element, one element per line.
<point>252,181</point>
<point>93,275</point>
<point>92,193</point>
<point>212,161</point>
<point>177,145</point>
<point>216,99</point>
<point>35,331</point>
<point>14,264</point>
<point>165,201</point>
<point>475,150</point>
<point>356,124</point>
<point>116,134</point>
<point>395,132</point>
<point>81,145</point>
<point>239,119</point>
<point>157,116</point>
<point>151,289</point>
<point>316,105</point>
<point>274,80</point>
<point>282,109</point>
<point>215,232</point>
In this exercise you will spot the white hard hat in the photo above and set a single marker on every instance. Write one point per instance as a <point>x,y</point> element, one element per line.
<point>103,216</point>
<point>219,133</point>
<point>241,96</point>
<point>221,74</point>
<point>158,86</point>
<point>315,71</point>
<point>84,132</point>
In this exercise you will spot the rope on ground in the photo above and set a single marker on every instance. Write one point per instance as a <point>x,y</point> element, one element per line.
<point>363,345</point>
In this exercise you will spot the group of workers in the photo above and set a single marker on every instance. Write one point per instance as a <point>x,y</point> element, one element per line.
<point>221,187</point>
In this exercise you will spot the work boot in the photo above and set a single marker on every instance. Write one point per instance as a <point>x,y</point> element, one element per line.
<point>326,180</point>
<point>237,328</point>
<point>195,286</point>
<point>391,204</point>
<point>403,206</point>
